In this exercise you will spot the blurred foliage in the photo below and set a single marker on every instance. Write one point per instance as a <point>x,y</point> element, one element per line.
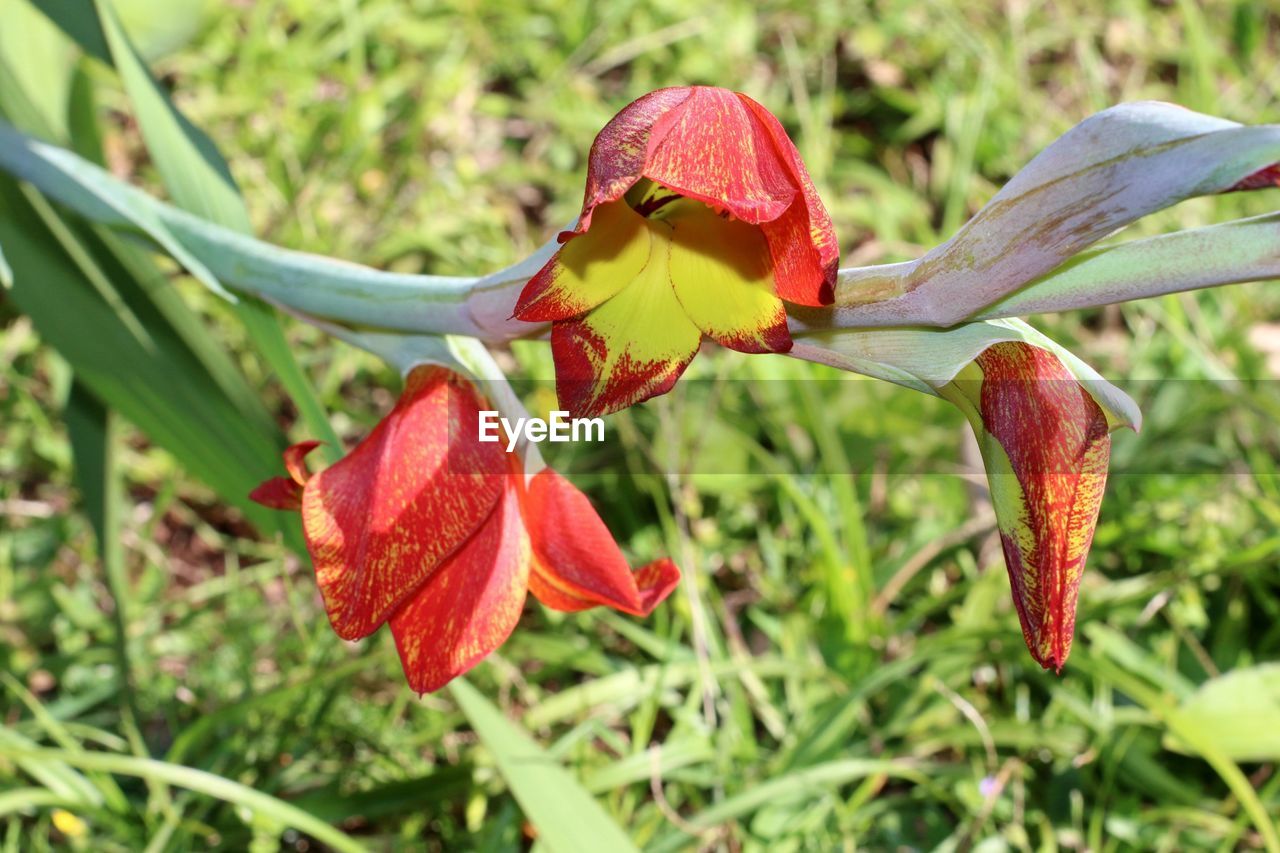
<point>844,668</point>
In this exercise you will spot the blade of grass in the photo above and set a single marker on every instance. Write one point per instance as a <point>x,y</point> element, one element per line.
<point>794,785</point>
<point>91,428</point>
<point>204,727</point>
<point>22,799</point>
<point>391,798</point>
<point>93,432</point>
<point>566,816</point>
<point>156,383</point>
<point>57,776</point>
<point>61,735</point>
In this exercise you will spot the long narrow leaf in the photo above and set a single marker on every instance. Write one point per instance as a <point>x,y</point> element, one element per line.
<point>194,173</point>
<point>36,65</point>
<point>93,431</point>
<point>154,381</point>
<point>567,818</point>
<point>1228,253</point>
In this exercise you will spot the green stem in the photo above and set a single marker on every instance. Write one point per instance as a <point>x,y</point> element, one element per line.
<point>866,297</point>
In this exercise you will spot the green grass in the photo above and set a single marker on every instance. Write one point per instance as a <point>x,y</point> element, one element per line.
<point>817,683</point>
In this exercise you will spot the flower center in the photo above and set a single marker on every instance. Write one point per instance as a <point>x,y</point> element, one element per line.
<point>655,202</point>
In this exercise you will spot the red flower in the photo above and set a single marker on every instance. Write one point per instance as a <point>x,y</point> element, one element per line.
<point>699,219</point>
<point>426,527</point>
<point>1046,443</point>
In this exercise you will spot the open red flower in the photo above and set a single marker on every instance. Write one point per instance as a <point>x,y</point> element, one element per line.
<point>1046,443</point>
<point>699,219</point>
<point>425,527</point>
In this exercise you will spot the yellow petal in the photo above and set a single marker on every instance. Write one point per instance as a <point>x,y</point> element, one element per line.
<point>629,349</point>
<point>590,268</point>
<point>722,275</point>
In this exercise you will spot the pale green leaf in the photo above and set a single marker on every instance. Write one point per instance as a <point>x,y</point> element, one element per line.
<point>1238,712</point>
<point>927,359</point>
<point>1111,169</point>
<point>311,284</point>
<point>1228,253</point>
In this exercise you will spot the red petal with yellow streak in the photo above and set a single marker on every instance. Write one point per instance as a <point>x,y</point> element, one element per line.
<point>295,461</point>
<point>577,564</point>
<point>286,492</point>
<point>1048,471</point>
<point>712,148</point>
<point>382,520</point>
<point>621,149</point>
<point>806,254</point>
<point>469,605</point>
<point>278,493</point>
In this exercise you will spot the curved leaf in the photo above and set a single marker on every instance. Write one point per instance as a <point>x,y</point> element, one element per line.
<point>1111,169</point>
<point>926,359</point>
<point>1228,253</point>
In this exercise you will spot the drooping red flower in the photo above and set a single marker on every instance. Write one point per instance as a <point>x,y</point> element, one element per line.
<point>699,219</point>
<point>424,526</point>
<point>1046,443</point>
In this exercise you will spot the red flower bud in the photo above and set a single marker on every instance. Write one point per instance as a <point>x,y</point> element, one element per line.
<point>1046,444</point>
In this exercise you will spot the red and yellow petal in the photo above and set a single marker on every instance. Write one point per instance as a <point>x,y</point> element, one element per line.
<point>286,492</point>
<point>577,564</point>
<point>1046,444</point>
<point>295,461</point>
<point>590,268</point>
<point>382,520</point>
<point>470,604</point>
<point>806,254</point>
<point>656,581</point>
<point>714,149</point>
<point>278,493</point>
<point>631,348</point>
<point>800,274</point>
<point>621,149</point>
<point>723,278</point>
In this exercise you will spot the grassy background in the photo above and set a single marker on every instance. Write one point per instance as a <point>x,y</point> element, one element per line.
<point>844,667</point>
